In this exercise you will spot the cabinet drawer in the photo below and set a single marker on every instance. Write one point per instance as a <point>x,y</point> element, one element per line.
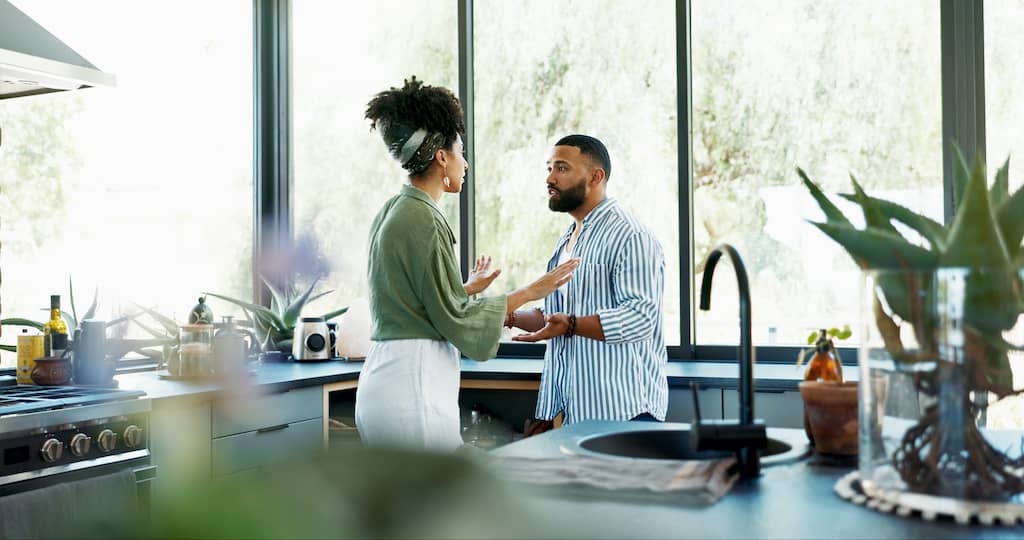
<point>260,411</point>
<point>254,448</point>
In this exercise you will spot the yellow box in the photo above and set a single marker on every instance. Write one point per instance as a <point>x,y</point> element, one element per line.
<point>29,349</point>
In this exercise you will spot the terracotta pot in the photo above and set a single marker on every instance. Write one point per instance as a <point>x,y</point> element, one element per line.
<point>51,371</point>
<point>831,410</point>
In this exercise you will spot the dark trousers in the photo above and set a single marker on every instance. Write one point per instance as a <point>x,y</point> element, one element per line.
<point>644,417</point>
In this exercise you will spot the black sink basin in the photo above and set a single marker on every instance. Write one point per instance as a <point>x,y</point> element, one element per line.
<point>675,444</point>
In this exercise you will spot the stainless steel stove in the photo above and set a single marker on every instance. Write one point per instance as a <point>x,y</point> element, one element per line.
<point>53,434</point>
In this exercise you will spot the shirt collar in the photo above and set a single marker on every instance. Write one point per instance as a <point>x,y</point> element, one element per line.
<point>601,209</point>
<point>420,195</point>
<point>595,214</point>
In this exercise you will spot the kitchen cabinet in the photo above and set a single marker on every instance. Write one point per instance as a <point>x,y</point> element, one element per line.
<point>264,446</point>
<point>784,409</point>
<point>179,441</point>
<point>260,429</point>
<point>194,438</point>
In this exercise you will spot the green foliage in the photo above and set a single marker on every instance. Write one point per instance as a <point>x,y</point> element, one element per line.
<point>833,333</point>
<point>275,325</point>
<point>17,321</point>
<point>984,239</point>
<point>70,319</point>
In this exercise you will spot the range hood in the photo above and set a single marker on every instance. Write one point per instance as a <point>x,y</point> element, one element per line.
<point>33,61</point>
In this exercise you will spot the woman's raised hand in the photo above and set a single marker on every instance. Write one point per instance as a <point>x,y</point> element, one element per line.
<point>551,281</point>
<point>480,276</point>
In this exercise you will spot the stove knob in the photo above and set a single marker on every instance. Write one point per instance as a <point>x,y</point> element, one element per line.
<point>133,436</point>
<point>107,440</point>
<point>80,444</point>
<point>52,450</point>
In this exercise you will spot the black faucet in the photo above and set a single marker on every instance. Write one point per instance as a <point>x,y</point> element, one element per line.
<point>749,435</point>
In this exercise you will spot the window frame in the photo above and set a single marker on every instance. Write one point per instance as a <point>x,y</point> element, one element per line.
<point>963,120</point>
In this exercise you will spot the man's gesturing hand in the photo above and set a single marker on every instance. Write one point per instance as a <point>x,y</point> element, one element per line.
<point>556,324</point>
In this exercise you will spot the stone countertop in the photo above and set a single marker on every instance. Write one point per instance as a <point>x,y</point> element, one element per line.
<point>268,377</point>
<point>787,501</point>
<point>271,377</point>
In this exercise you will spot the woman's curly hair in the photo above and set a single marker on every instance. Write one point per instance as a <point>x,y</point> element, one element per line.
<point>417,105</point>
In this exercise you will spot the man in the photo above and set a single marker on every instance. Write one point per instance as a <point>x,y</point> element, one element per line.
<point>606,351</point>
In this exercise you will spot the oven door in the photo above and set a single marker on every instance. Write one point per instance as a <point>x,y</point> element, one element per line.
<point>138,461</point>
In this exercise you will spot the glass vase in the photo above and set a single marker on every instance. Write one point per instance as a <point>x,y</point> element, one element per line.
<point>938,355</point>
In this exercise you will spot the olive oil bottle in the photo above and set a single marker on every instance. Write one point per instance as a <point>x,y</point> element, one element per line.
<point>55,332</point>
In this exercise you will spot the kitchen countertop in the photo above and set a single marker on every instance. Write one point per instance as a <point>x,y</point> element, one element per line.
<point>788,501</point>
<point>275,377</point>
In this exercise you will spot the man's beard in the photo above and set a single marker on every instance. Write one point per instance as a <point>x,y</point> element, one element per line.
<point>569,199</point>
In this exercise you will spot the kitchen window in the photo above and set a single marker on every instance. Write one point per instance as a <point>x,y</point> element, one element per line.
<point>142,192</point>
<point>836,88</point>
<point>605,69</point>
<point>342,54</point>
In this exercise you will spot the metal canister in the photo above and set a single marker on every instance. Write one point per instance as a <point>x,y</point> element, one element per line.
<point>29,349</point>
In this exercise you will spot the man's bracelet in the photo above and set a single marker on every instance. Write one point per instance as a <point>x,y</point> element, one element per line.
<point>572,326</point>
<point>510,321</point>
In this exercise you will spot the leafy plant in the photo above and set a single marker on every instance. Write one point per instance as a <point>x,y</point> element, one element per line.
<point>165,335</point>
<point>18,321</point>
<point>832,333</point>
<point>70,319</point>
<point>275,326</point>
<point>984,239</point>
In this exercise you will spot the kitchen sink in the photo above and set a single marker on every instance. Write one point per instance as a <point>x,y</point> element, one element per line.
<point>675,444</point>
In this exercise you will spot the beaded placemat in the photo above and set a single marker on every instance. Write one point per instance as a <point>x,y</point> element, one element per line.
<point>928,507</point>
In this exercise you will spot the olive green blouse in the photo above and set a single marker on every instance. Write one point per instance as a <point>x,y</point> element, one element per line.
<point>415,284</point>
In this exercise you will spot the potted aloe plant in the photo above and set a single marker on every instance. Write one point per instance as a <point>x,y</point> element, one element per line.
<point>940,300</point>
<point>275,325</point>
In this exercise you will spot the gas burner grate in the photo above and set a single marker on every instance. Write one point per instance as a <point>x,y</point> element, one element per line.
<point>23,399</point>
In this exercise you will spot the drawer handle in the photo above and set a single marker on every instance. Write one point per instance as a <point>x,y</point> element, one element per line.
<point>271,428</point>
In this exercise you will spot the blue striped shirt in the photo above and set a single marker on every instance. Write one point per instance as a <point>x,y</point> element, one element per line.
<point>621,278</point>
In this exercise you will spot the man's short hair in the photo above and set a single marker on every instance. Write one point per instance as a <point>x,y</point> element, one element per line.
<point>591,147</point>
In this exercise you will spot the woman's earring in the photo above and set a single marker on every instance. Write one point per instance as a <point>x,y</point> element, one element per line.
<point>447,182</point>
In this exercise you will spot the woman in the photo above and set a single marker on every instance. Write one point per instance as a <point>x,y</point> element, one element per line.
<point>422,315</point>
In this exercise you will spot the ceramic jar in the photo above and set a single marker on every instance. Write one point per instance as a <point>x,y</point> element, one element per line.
<point>51,371</point>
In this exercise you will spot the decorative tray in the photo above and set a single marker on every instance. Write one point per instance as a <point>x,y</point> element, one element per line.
<point>929,507</point>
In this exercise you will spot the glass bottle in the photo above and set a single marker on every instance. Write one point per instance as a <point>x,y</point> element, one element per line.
<point>55,332</point>
<point>825,365</point>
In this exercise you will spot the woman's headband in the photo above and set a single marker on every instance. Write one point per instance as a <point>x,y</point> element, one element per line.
<point>413,149</point>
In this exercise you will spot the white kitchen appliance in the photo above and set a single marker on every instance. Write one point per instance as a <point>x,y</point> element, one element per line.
<point>311,341</point>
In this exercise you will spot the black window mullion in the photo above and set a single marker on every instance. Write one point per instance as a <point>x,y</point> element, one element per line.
<point>963,87</point>
<point>272,216</point>
<point>467,201</point>
<point>687,349</point>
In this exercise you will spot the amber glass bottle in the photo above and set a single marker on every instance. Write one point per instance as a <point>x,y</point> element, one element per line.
<point>824,366</point>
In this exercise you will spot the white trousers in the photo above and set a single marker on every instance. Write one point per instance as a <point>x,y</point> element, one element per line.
<point>408,395</point>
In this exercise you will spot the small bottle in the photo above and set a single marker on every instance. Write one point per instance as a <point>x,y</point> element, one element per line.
<point>55,332</point>
<point>825,365</point>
